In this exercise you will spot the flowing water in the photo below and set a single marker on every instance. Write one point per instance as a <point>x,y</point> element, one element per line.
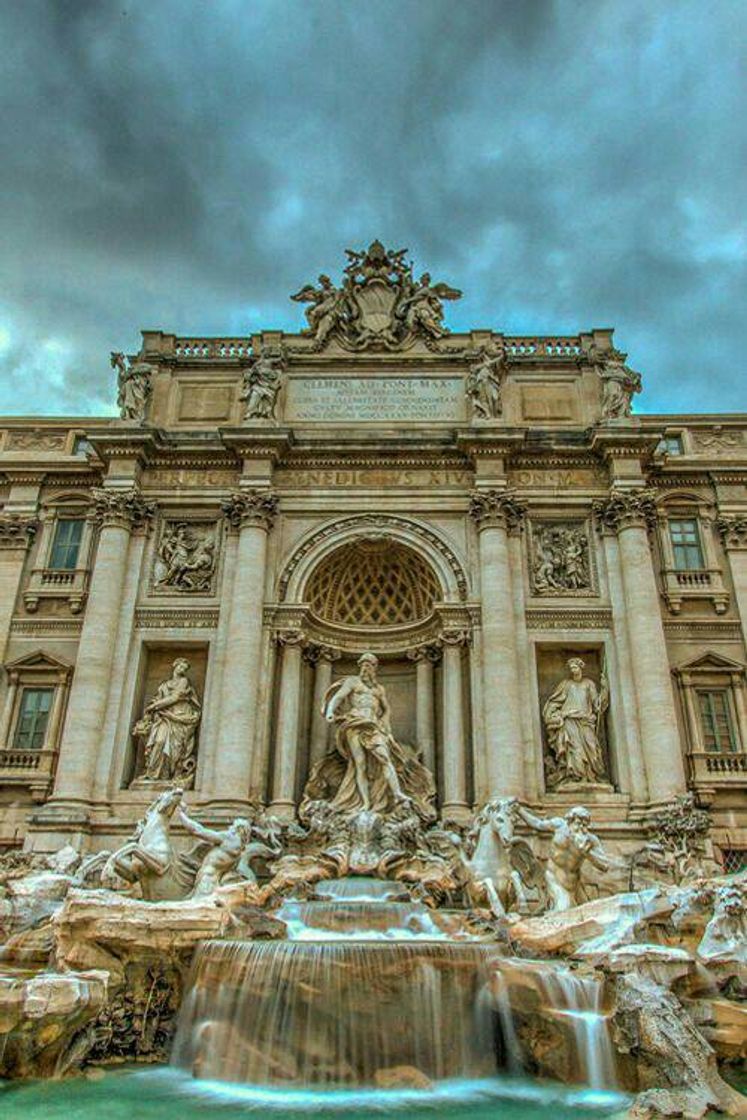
<point>371,992</point>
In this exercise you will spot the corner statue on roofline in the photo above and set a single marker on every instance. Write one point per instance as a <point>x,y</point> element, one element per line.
<point>368,769</point>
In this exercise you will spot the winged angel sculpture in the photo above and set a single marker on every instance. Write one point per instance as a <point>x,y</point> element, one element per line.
<point>380,304</point>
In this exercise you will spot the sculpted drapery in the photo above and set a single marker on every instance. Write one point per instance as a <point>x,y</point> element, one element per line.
<point>571,715</point>
<point>168,725</point>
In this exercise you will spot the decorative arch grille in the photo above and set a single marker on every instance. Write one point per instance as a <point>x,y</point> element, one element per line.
<point>373,583</point>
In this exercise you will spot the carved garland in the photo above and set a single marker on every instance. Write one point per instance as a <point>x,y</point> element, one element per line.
<point>378,521</point>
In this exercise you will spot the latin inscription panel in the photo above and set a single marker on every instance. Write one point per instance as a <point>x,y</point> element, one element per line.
<point>375,399</point>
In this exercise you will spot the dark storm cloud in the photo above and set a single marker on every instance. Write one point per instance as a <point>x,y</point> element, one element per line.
<point>186,165</point>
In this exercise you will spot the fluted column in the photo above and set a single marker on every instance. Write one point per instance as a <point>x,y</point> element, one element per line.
<point>733,530</point>
<point>454,729</point>
<point>628,513</point>
<point>496,513</point>
<point>117,513</point>
<point>16,536</point>
<point>425,731</point>
<point>322,658</point>
<point>291,643</point>
<point>252,514</point>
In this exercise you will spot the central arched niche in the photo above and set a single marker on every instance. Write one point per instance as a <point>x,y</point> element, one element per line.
<point>373,581</point>
<point>372,591</point>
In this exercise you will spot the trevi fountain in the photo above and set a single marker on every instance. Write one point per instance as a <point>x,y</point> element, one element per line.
<point>341,858</point>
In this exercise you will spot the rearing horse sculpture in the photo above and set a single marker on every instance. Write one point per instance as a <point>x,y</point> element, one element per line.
<point>501,866</point>
<point>149,857</point>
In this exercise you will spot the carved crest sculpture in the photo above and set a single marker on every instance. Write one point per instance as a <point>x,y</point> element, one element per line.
<point>485,377</point>
<point>261,384</point>
<point>572,716</point>
<point>133,386</point>
<point>169,727</point>
<point>380,304</point>
<point>186,557</point>
<point>560,559</point>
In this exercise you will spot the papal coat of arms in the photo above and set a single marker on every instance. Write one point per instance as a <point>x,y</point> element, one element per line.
<point>379,305</point>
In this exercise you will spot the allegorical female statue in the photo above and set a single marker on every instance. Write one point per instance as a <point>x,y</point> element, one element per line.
<point>368,769</point>
<point>572,715</point>
<point>169,725</point>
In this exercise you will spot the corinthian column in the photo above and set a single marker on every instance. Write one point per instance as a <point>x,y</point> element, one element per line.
<point>251,513</point>
<point>322,658</point>
<point>733,530</point>
<point>496,513</point>
<point>291,643</point>
<point>629,513</point>
<point>454,747</point>
<point>424,657</point>
<point>117,513</point>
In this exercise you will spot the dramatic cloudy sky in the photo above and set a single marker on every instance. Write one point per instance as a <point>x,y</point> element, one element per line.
<point>185,164</point>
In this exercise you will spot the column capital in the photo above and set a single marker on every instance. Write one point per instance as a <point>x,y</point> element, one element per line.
<point>16,531</point>
<point>291,637</point>
<point>315,652</point>
<point>733,530</point>
<point>455,637</point>
<point>496,509</point>
<point>624,509</point>
<point>251,507</point>
<point>124,508</point>
<point>431,652</point>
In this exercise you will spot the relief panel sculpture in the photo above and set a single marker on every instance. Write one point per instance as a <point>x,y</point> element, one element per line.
<point>573,716</point>
<point>186,557</point>
<point>168,729</point>
<point>560,559</point>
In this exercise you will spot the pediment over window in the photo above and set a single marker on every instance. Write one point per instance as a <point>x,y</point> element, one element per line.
<point>37,661</point>
<point>710,662</point>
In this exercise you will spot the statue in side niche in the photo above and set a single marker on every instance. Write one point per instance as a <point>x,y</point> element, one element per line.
<point>169,727</point>
<point>133,386</point>
<point>485,378</point>
<point>572,716</point>
<point>368,769</point>
<point>261,384</point>
<point>572,844</point>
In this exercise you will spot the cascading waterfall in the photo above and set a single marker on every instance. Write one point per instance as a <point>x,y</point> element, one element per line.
<point>323,1014</point>
<point>369,988</point>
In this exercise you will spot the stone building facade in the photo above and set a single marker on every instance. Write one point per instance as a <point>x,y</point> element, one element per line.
<point>477,510</point>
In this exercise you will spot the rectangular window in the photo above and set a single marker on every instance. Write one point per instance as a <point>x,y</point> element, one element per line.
<point>715,720</point>
<point>32,718</point>
<point>66,545</point>
<point>688,555</point>
<point>673,445</point>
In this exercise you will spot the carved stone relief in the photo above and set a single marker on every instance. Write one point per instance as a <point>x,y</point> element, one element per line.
<point>560,558</point>
<point>186,557</point>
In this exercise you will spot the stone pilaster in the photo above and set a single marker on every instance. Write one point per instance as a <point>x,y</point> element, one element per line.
<point>116,513</point>
<point>630,514</point>
<point>425,724</point>
<point>496,513</point>
<point>733,531</point>
<point>322,658</point>
<point>16,536</point>
<point>290,644</point>
<point>454,726</point>
<point>250,513</point>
